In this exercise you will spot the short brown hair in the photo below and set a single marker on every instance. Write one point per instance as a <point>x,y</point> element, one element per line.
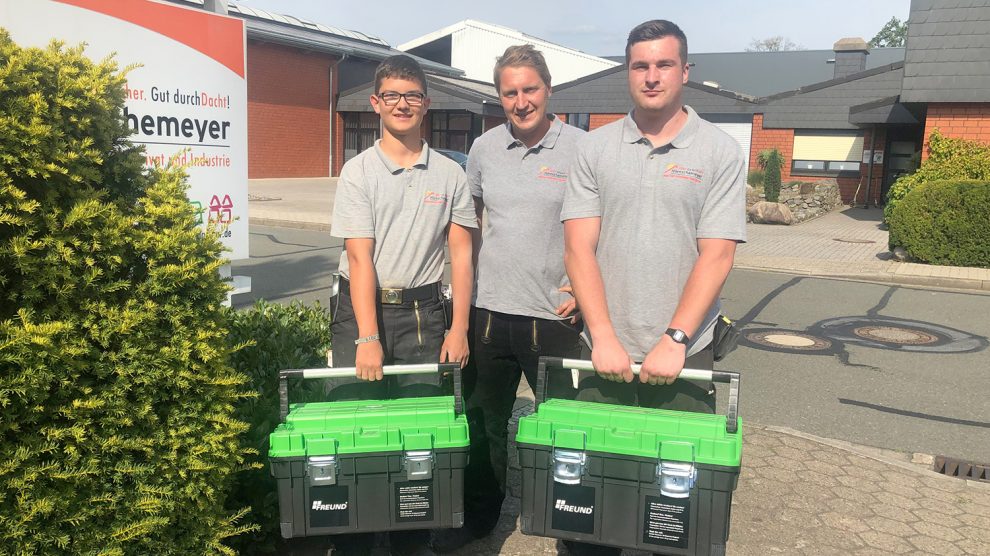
<point>521,55</point>
<point>657,29</point>
<point>399,66</point>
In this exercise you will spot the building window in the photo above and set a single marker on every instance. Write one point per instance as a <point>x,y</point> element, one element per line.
<point>361,130</point>
<point>452,130</point>
<point>582,121</point>
<point>826,153</point>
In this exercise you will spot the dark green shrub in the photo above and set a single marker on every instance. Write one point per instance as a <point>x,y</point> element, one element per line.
<point>117,429</point>
<point>771,182</point>
<point>948,159</point>
<point>755,178</point>
<point>945,222</point>
<point>272,337</point>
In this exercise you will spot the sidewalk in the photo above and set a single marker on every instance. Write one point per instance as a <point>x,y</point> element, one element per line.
<point>842,244</point>
<point>797,493</point>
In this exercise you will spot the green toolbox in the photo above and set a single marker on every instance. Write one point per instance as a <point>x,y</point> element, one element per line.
<point>372,465</point>
<point>629,477</point>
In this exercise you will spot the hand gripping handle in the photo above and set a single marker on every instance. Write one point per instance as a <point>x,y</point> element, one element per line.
<point>444,369</point>
<point>732,378</point>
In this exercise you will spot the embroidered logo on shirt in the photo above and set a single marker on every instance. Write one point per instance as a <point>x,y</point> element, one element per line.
<point>548,173</point>
<point>683,173</point>
<point>434,198</point>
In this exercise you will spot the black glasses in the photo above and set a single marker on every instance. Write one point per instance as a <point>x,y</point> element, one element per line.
<point>391,98</point>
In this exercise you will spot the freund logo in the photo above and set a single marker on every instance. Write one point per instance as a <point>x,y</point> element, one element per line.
<point>319,505</point>
<point>563,506</point>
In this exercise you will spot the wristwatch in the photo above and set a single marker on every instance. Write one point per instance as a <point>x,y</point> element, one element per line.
<point>678,335</point>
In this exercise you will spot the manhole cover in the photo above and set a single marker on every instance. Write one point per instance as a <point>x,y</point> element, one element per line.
<point>789,340</point>
<point>895,335</point>
<point>846,240</point>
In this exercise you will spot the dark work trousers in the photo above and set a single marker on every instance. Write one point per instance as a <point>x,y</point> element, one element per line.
<point>504,348</point>
<point>682,395</point>
<point>410,332</point>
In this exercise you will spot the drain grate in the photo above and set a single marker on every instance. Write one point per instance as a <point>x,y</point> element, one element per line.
<point>962,469</point>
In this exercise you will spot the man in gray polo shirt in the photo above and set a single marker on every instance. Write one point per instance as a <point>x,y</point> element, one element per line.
<point>655,206</point>
<point>517,173</point>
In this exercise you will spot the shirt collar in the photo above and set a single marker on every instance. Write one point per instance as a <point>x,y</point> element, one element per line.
<point>684,138</point>
<point>549,139</point>
<point>422,162</point>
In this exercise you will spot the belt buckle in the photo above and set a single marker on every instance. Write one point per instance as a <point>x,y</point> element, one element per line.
<point>391,296</point>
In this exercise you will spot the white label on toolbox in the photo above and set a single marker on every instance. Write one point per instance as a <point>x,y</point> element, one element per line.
<point>319,505</point>
<point>563,506</point>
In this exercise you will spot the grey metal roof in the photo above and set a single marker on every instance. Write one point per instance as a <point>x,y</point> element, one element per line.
<point>299,33</point>
<point>446,93</point>
<point>886,111</point>
<point>948,52</point>
<point>607,92</point>
<point>827,105</point>
<point>766,73</point>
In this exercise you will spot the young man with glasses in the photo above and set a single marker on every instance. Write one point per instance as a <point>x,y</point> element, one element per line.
<point>654,208</point>
<point>395,205</point>
<point>523,308</point>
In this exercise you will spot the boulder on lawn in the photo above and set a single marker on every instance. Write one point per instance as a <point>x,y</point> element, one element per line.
<point>770,213</point>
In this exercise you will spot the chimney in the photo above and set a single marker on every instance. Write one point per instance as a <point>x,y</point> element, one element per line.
<point>850,56</point>
<point>216,6</point>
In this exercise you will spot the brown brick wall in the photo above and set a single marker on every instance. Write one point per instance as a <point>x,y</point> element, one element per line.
<point>598,120</point>
<point>493,121</point>
<point>960,120</point>
<point>338,143</point>
<point>288,112</point>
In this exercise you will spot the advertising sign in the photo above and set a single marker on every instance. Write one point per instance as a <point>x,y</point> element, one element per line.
<point>186,94</point>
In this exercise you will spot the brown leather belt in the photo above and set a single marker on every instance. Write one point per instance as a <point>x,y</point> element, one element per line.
<point>398,296</point>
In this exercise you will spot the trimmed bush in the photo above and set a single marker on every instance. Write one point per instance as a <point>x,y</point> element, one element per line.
<point>771,181</point>
<point>755,178</point>
<point>948,159</point>
<point>270,337</point>
<point>117,428</point>
<point>945,222</point>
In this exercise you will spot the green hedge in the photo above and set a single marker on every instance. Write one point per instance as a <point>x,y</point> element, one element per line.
<point>117,427</point>
<point>948,159</point>
<point>269,337</point>
<point>945,222</point>
<point>771,179</point>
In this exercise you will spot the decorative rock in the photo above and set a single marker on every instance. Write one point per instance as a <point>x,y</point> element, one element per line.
<point>771,213</point>
<point>901,254</point>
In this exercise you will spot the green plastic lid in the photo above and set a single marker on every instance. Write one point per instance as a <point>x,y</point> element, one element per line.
<point>328,428</point>
<point>632,431</point>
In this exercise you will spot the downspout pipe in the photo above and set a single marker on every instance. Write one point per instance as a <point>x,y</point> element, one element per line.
<point>869,171</point>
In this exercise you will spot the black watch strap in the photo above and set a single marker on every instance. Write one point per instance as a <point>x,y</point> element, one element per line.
<point>678,335</point>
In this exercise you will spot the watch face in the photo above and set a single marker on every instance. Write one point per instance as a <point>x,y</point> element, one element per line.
<point>678,335</point>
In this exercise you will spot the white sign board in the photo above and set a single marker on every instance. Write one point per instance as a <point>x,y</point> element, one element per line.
<point>186,99</point>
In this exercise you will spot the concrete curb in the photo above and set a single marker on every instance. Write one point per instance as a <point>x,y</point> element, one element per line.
<point>883,278</point>
<point>316,226</point>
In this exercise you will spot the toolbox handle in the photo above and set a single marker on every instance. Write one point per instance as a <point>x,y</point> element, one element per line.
<point>444,369</point>
<point>730,377</point>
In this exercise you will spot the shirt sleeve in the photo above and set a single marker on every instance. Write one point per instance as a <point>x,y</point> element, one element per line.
<point>353,214</point>
<point>462,210</point>
<point>474,171</point>
<point>581,197</point>
<point>724,213</point>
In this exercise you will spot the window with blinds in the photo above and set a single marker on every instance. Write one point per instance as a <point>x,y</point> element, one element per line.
<point>826,152</point>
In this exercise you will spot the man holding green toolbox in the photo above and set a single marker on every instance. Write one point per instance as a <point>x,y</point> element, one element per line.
<point>523,309</point>
<point>395,205</point>
<point>654,208</point>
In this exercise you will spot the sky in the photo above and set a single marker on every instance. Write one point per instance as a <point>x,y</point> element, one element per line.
<point>600,27</point>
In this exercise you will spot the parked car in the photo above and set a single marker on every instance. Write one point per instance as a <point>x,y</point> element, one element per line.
<point>456,156</point>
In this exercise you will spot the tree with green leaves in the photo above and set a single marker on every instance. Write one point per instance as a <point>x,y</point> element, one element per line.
<point>777,43</point>
<point>893,33</point>
<point>117,400</point>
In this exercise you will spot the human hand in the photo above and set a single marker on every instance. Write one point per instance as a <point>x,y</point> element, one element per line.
<point>455,348</point>
<point>611,361</point>
<point>368,361</point>
<point>664,362</point>
<point>569,307</point>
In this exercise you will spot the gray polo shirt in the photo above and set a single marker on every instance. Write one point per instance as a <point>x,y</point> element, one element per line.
<point>521,263</point>
<point>654,204</point>
<point>405,210</point>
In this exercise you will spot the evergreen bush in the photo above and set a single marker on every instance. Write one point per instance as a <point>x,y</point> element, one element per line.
<point>771,179</point>
<point>117,428</point>
<point>270,337</point>
<point>948,159</point>
<point>945,222</point>
<point>756,178</point>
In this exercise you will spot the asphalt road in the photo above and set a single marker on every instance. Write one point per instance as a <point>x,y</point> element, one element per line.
<point>901,368</point>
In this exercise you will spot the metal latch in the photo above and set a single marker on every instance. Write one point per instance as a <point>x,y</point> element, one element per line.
<point>418,464</point>
<point>568,466</point>
<point>322,470</point>
<point>676,478</point>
